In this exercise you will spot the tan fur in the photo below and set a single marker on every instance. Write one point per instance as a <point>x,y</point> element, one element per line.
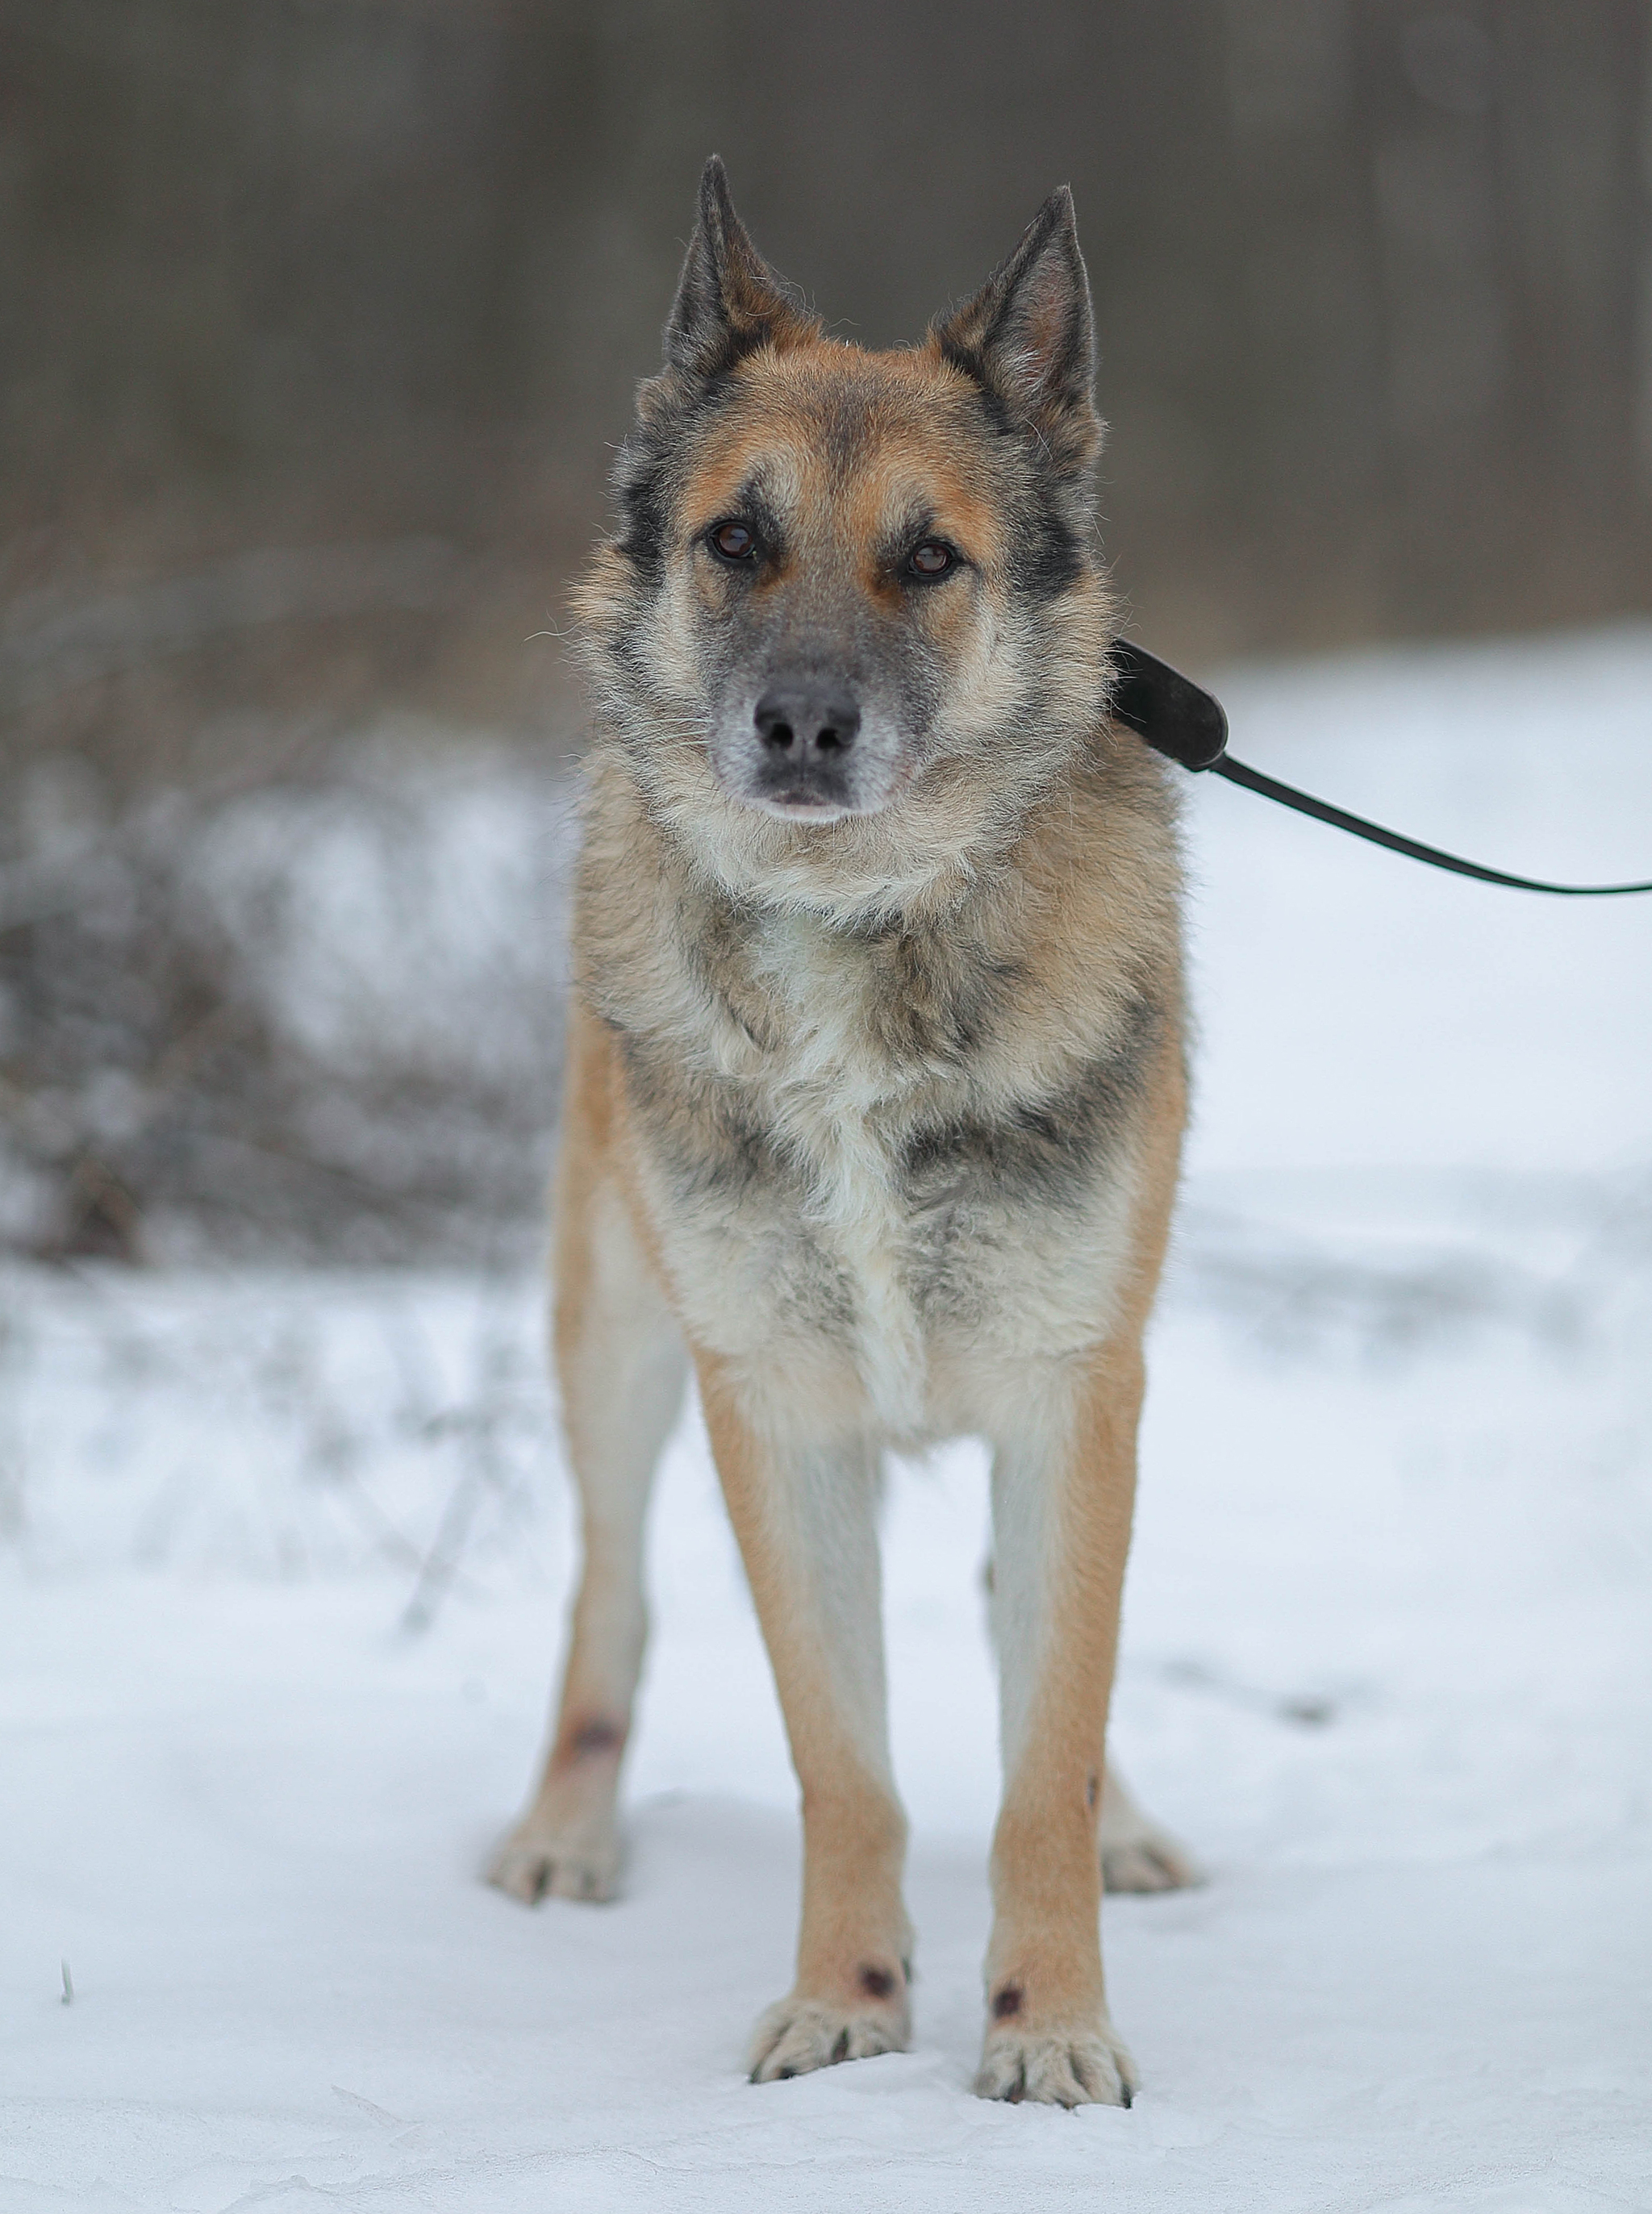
<point>874,1119</point>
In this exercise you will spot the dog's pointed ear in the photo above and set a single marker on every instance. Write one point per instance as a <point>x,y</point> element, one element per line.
<point>1028,335</point>
<point>728,301</point>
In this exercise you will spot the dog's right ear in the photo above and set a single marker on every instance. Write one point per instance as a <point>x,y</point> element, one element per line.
<point>728,301</point>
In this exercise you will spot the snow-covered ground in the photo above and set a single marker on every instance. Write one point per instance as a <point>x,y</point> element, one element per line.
<point>283,1559</point>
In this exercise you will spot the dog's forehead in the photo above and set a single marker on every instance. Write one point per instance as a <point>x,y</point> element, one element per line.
<point>864,440</point>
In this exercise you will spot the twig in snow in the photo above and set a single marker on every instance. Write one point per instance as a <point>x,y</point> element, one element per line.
<point>441,1563</point>
<point>1308,1710</point>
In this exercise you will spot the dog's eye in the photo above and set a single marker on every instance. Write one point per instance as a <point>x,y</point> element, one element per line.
<point>734,542</point>
<point>932,558</point>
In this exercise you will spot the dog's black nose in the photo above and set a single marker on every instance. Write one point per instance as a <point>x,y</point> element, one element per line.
<point>801,723</point>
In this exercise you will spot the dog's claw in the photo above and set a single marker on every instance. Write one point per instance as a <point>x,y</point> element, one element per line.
<point>1057,2068</point>
<point>799,2035</point>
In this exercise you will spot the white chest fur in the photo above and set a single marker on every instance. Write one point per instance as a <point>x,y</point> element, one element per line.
<point>834,1099</point>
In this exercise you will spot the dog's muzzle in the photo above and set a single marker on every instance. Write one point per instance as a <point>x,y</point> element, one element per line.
<point>805,736</point>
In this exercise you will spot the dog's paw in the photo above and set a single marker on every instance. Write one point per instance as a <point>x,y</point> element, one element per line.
<point>1136,1855</point>
<point>798,2035</point>
<point>1057,2068</point>
<point>537,1863</point>
<point>1148,1859</point>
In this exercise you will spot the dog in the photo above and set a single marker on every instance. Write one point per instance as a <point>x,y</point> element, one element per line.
<point>875,1089</point>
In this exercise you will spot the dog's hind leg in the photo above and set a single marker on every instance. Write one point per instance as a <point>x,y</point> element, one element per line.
<point>621,1366</point>
<point>805,1519</point>
<point>1137,1853</point>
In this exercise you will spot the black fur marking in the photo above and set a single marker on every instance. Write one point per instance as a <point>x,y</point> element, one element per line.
<point>968,362</point>
<point>713,1150</point>
<point>1043,1151</point>
<point>671,411</point>
<point>1047,559</point>
<point>877,1982</point>
<point>715,1146</point>
<point>1051,531</point>
<point>627,653</point>
<point>715,954</point>
<point>845,420</point>
<point>642,540</point>
<point>1006,2003</point>
<point>933,1002</point>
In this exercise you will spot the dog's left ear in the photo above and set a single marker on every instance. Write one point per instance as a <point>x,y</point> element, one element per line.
<point>728,301</point>
<point>1029,337</point>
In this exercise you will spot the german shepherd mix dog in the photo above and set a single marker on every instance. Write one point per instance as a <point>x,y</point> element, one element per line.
<point>875,1092</point>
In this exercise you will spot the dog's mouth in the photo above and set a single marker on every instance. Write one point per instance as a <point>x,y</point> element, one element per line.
<point>806,807</point>
<point>811,793</point>
<point>814,792</point>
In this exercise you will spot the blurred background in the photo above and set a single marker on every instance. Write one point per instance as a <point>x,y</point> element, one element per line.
<point>321,317</point>
<point>319,320</point>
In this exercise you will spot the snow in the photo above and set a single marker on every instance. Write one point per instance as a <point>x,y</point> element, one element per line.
<point>284,1557</point>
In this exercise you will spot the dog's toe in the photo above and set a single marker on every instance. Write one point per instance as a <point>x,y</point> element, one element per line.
<point>799,2035</point>
<point>1057,2068</point>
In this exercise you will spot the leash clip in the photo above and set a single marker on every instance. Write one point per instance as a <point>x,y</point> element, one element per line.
<point>1180,720</point>
<point>1176,716</point>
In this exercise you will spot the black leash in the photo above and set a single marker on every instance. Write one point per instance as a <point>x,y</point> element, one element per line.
<point>1179,719</point>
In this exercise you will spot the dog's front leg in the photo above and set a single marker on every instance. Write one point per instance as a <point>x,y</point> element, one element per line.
<point>804,1515</point>
<point>1063,1483</point>
<point>621,1364</point>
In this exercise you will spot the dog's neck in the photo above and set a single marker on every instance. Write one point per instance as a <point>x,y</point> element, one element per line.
<point>1003,977</point>
<point>918,865</point>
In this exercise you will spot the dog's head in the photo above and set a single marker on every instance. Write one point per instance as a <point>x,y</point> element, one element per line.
<point>853,586</point>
